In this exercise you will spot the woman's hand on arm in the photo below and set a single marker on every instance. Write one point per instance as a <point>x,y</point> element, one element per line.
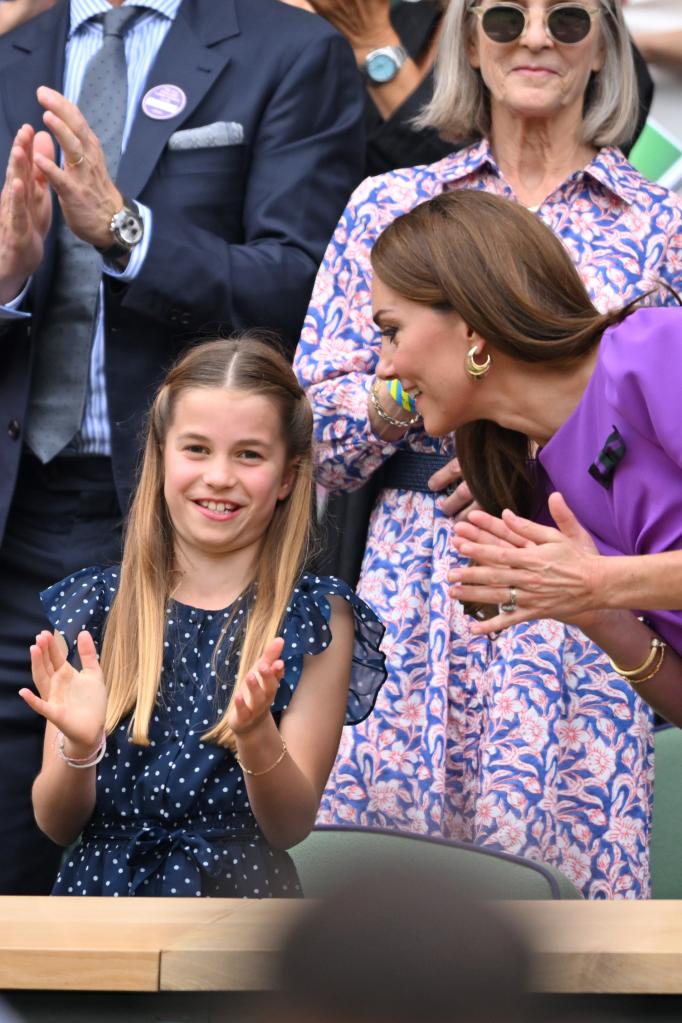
<point>459,500</point>
<point>73,703</point>
<point>285,799</point>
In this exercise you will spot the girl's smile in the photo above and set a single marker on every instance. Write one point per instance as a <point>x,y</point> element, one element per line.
<point>219,511</point>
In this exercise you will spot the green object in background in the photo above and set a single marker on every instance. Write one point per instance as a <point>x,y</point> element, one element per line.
<point>329,855</point>
<point>666,837</point>
<point>657,155</point>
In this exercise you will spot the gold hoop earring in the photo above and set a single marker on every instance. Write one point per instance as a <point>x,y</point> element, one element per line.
<point>477,370</point>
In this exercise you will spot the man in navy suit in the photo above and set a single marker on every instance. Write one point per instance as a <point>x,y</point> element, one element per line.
<point>242,142</point>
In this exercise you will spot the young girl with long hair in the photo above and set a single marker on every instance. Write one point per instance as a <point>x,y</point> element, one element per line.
<point>195,749</point>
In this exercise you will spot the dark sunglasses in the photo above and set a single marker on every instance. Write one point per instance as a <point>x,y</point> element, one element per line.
<point>567,23</point>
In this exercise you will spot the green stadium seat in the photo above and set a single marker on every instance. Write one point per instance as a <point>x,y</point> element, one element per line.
<point>328,855</point>
<point>666,841</point>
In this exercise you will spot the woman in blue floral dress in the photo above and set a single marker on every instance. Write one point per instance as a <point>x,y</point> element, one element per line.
<point>529,743</point>
<point>197,750</point>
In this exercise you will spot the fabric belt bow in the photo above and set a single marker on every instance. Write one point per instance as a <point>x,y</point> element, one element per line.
<point>151,847</point>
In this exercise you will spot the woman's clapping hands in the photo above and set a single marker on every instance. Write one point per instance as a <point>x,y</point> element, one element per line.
<point>554,572</point>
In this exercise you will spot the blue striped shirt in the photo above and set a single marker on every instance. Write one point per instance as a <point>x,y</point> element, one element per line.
<point>142,43</point>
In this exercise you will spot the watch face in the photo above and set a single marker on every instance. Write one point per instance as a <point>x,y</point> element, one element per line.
<point>128,227</point>
<point>382,68</point>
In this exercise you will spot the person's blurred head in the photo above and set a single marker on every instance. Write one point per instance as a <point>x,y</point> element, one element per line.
<point>485,72</point>
<point>402,947</point>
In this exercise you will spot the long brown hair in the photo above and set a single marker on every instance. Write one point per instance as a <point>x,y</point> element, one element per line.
<point>511,280</point>
<point>132,651</point>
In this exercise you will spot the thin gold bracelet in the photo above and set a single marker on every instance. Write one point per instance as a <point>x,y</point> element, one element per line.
<point>404,424</point>
<point>657,650</point>
<point>638,681</point>
<point>256,774</point>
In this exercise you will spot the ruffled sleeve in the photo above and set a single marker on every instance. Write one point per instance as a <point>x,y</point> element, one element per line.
<point>307,631</point>
<point>81,601</point>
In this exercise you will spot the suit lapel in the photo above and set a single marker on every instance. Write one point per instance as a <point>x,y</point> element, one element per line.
<point>190,60</point>
<point>33,55</point>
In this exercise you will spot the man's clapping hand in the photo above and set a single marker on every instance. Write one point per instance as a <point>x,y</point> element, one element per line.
<point>87,195</point>
<point>25,211</point>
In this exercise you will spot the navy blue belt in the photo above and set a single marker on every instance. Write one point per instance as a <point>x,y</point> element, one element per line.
<point>411,470</point>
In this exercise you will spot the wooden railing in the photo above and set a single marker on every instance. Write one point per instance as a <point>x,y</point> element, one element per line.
<point>146,945</point>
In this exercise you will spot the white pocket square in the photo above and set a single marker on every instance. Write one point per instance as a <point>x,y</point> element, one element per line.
<point>208,136</point>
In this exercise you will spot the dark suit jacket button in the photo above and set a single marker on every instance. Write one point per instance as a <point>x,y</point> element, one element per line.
<point>14,428</point>
<point>184,320</point>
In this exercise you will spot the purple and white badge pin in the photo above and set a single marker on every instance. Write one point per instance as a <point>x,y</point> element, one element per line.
<point>163,102</point>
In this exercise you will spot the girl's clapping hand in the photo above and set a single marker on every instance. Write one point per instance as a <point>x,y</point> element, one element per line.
<point>75,702</point>
<point>257,690</point>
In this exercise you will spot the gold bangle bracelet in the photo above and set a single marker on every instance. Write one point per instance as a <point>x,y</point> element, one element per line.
<point>404,424</point>
<point>256,774</point>
<point>657,668</point>
<point>657,650</point>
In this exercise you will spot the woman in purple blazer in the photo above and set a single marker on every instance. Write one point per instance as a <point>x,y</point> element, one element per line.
<point>487,325</point>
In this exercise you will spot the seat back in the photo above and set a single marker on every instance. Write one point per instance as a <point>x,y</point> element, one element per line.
<point>666,839</point>
<point>330,855</point>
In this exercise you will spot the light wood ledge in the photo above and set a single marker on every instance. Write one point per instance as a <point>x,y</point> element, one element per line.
<point>195,945</point>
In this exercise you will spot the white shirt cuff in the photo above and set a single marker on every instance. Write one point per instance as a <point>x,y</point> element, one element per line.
<point>11,311</point>
<point>137,254</point>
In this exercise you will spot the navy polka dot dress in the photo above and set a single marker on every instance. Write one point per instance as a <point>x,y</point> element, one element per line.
<point>173,818</point>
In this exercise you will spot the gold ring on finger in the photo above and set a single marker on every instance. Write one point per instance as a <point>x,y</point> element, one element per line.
<point>78,162</point>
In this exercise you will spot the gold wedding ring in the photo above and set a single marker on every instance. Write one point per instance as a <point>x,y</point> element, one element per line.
<point>76,163</point>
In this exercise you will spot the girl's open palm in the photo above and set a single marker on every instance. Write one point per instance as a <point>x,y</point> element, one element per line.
<point>74,701</point>
<point>257,690</point>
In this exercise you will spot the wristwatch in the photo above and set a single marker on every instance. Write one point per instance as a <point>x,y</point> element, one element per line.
<point>127,228</point>
<point>383,65</point>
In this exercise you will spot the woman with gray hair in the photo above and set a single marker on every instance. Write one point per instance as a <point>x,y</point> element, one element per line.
<point>529,742</point>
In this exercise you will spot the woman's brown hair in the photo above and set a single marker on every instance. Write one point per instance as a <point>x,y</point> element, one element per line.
<point>512,281</point>
<point>132,651</point>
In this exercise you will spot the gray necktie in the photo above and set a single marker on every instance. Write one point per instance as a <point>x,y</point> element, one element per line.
<point>62,360</point>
